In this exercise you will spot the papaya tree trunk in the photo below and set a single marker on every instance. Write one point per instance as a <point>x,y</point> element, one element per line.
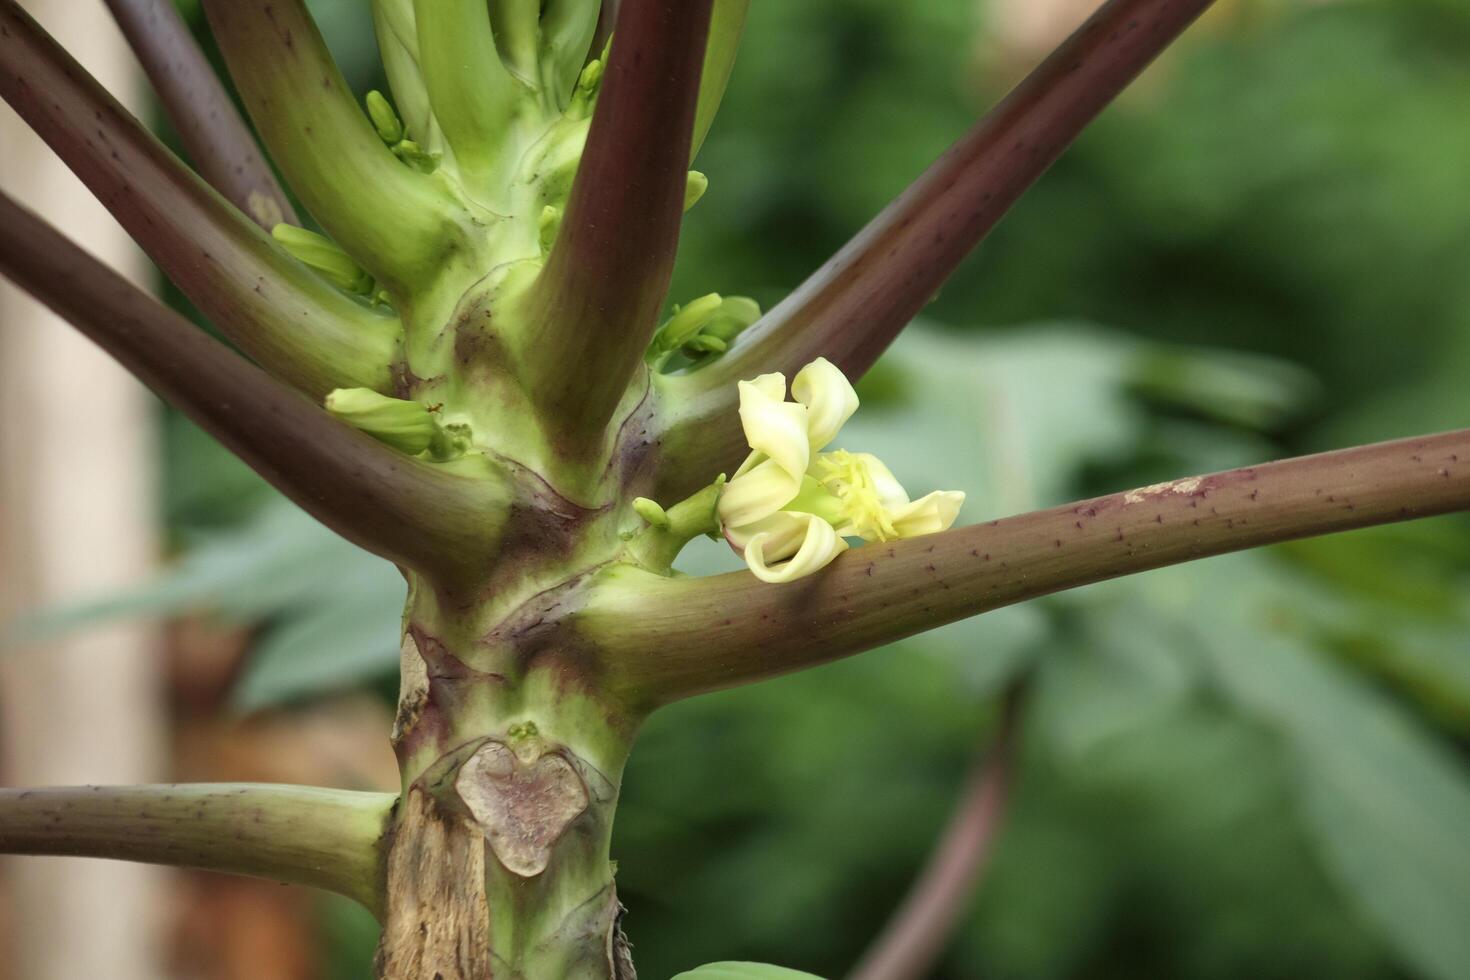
<point>496,859</point>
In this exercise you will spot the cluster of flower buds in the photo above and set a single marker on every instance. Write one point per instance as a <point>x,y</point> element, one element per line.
<point>393,134</point>
<point>407,426</point>
<point>700,331</point>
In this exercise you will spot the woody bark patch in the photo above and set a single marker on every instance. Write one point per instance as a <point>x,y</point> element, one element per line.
<point>522,806</point>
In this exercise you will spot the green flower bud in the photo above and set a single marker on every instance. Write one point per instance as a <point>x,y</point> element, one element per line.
<point>406,426</point>
<point>549,225</point>
<point>705,344</point>
<point>687,319</point>
<point>416,156</point>
<point>694,188</point>
<point>651,512</point>
<point>735,314</point>
<point>385,120</point>
<point>451,441</point>
<point>585,92</point>
<point>323,255</point>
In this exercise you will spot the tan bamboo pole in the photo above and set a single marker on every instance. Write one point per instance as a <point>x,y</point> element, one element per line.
<point>76,519</point>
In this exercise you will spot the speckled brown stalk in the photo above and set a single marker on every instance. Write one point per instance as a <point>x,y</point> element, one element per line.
<point>215,138</point>
<point>285,317</point>
<point>675,637</point>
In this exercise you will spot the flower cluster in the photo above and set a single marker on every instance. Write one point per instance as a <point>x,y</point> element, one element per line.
<point>790,506</point>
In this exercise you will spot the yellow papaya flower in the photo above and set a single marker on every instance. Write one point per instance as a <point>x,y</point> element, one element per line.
<point>790,506</point>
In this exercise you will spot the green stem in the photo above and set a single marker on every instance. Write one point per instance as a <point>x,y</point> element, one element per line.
<point>567,27</point>
<point>325,838</point>
<point>668,638</point>
<point>397,30</point>
<point>517,26</point>
<point>399,224</point>
<point>727,22</point>
<point>472,94</point>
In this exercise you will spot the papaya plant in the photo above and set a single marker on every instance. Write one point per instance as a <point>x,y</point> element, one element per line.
<point>474,370</point>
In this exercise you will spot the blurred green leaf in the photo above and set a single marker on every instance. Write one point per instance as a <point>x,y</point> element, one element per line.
<point>1384,802</point>
<point>329,611</point>
<point>330,645</point>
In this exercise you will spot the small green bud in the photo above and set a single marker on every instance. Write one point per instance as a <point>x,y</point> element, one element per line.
<point>522,730</point>
<point>385,120</point>
<point>525,741</point>
<point>406,426</point>
<point>694,188</point>
<point>323,255</point>
<point>591,76</point>
<point>585,91</point>
<point>549,225</point>
<point>705,343</point>
<point>735,314</point>
<point>416,156</point>
<point>687,319</point>
<point>651,512</point>
<point>451,440</point>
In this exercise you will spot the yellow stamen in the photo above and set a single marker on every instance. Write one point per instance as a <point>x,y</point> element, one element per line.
<point>847,476</point>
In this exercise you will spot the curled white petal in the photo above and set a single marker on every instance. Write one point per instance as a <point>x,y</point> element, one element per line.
<point>932,512</point>
<point>775,427</point>
<point>757,494</point>
<point>828,396</point>
<point>772,385</point>
<point>783,534</point>
<point>794,548</point>
<point>777,524</point>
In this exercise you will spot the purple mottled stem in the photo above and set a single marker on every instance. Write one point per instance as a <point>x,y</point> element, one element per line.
<point>284,316</point>
<point>596,304</point>
<point>674,637</point>
<point>412,512</point>
<point>216,139</point>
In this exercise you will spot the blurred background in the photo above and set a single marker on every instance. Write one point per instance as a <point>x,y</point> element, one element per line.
<point>1250,766</point>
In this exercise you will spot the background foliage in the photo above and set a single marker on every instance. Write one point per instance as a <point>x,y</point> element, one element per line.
<point>1254,765</point>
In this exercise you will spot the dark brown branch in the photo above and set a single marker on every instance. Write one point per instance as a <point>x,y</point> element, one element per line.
<point>214,136</point>
<point>299,834</point>
<point>671,638</point>
<point>596,303</point>
<point>913,939</point>
<point>851,308</point>
<point>418,514</point>
<point>280,313</point>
